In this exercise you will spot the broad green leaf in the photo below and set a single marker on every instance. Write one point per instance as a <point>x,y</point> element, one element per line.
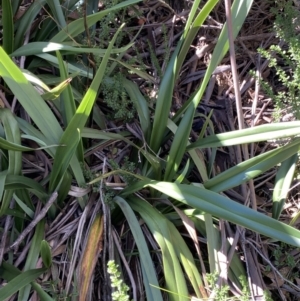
<point>46,29</point>
<point>3,175</point>
<point>251,168</point>
<point>141,106</point>
<point>149,275</point>
<point>67,103</point>
<point>29,98</point>
<point>136,71</point>
<point>36,81</point>
<point>46,254</point>
<point>15,6</point>
<point>239,12</point>
<point>35,48</point>
<point>7,21</point>
<point>191,17</point>
<point>196,155</point>
<point>24,207</point>
<point>222,207</point>
<point>53,60</point>
<point>178,146</point>
<point>182,175</point>
<point>14,182</point>
<point>4,144</point>
<point>56,91</point>
<point>254,134</point>
<point>163,103</point>
<point>19,282</point>
<point>33,134</point>
<point>12,135</point>
<point>34,105</point>
<point>164,233</point>
<point>64,154</point>
<point>57,12</point>
<point>63,158</point>
<point>236,267</point>
<point>212,243</point>
<point>284,178</point>
<point>9,272</point>
<point>41,292</point>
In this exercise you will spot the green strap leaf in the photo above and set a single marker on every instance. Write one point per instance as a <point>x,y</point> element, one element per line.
<point>284,178</point>
<point>149,274</point>
<point>46,254</point>
<point>64,154</point>
<point>19,282</point>
<point>7,26</point>
<point>222,207</point>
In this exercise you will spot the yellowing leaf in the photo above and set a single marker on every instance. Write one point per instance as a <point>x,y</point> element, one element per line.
<point>90,257</point>
<point>55,92</point>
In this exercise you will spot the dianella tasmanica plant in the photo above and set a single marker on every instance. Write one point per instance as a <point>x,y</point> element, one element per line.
<point>158,199</point>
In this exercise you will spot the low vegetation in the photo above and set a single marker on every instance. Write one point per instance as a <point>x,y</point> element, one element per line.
<point>129,167</point>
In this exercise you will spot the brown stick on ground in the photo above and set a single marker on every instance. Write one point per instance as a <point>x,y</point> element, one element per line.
<point>38,218</point>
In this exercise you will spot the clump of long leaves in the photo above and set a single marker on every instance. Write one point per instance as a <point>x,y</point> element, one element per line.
<point>198,206</point>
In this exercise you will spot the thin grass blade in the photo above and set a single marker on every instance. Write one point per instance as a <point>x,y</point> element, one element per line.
<point>67,103</point>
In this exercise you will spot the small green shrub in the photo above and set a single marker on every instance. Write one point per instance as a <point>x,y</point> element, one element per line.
<point>221,292</point>
<point>116,97</point>
<point>285,61</point>
<point>267,296</point>
<point>283,258</point>
<point>245,288</point>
